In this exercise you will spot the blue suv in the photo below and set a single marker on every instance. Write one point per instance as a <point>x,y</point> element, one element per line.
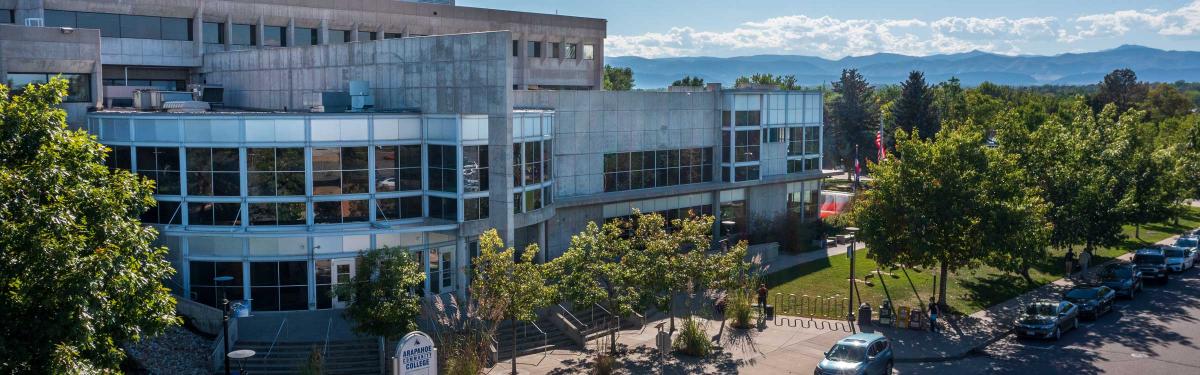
<point>860,354</point>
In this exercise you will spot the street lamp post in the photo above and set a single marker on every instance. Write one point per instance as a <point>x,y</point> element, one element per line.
<point>850,314</point>
<point>225,312</point>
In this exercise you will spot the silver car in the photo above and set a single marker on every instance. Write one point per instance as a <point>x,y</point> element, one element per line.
<point>1189,243</point>
<point>1178,259</point>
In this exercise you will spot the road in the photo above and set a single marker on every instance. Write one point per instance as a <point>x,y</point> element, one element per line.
<point>1157,333</point>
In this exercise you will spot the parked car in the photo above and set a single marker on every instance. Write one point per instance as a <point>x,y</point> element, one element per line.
<point>1191,243</point>
<point>1048,319</point>
<point>1093,300</point>
<point>1152,262</point>
<point>1178,259</point>
<point>863,353</point>
<point>1123,278</point>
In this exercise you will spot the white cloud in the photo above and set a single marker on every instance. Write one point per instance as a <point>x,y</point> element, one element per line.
<point>833,37</point>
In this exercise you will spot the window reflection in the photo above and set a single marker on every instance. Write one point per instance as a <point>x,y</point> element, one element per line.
<point>213,171</point>
<point>397,168</point>
<point>340,170</point>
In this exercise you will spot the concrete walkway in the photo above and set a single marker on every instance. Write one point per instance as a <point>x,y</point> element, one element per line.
<point>785,261</point>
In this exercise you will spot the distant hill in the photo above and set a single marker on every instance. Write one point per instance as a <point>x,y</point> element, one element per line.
<point>972,68</point>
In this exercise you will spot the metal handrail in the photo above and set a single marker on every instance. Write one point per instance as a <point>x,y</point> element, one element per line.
<point>276,339</point>
<point>545,338</point>
<point>573,317</point>
<point>328,325</point>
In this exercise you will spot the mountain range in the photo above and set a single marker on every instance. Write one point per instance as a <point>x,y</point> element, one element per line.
<point>972,68</point>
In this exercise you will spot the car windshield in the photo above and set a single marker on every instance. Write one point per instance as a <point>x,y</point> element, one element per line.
<point>1081,294</point>
<point>1174,253</point>
<point>1040,309</point>
<point>1186,242</point>
<point>847,353</point>
<point>1117,273</point>
<point>1148,259</point>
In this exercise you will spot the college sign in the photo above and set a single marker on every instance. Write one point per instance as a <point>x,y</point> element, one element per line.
<point>415,355</point>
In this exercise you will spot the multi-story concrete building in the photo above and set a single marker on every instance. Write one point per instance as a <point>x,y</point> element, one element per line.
<point>481,119</point>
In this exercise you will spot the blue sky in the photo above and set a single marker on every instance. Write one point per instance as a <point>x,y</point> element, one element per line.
<point>834,29</point>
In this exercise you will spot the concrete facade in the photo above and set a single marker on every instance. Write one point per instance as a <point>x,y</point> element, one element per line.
<point>51,50</point>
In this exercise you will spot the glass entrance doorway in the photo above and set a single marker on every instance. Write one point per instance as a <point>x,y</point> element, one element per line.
<point>343,272</point>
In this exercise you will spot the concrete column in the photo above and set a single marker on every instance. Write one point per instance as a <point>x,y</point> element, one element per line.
<point>462,260</point>
<point>97,84</point>
<point>290,33</point>
<point>542,255</point>
<point>354,33</point>
<point>260,33</point>
<point>228,32</point>
<point>198,31</point>
<point>323,33</point>
<point>598,65</point>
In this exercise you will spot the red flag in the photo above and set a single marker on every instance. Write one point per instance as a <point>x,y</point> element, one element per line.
<point>857,168</point>
<point>879,145</point>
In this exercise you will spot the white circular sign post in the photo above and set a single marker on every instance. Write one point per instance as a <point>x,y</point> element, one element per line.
<point>415,355</point>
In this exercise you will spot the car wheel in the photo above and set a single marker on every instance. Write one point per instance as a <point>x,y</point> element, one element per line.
<point>1075,322</point>
<point>887,370</point>
<point>1057,333</point>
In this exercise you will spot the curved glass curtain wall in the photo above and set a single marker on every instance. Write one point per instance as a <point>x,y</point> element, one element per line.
<point>240,192</point>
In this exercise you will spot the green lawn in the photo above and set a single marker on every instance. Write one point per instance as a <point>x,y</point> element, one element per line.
<point>969,290</point>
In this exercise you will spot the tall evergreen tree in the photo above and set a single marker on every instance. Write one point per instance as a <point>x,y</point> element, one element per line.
<point>914,110</point>
<point>1120,88</point>
<point>853,119</point>
<point>689,81</point>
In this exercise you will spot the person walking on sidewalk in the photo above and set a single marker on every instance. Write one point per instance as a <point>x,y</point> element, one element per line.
<point>1069,259</point>
<point>934,311</point>
<point>762,298</point>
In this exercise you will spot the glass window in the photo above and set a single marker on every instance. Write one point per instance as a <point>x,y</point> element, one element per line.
<point>397,168</point>
<point>443,172</point>
<point>571,51</point>
<point>206,290</point>
<point>747,145</point>
<point>160,164</point>
<point>213,171</point>
<point>306,36</point>
<point>118,157</point>
<point>556,50</point>
<point>475,209</point>
<point>533,199</point>
<point>243,35</point>
<point>340,212</point>
<point>392,35</point>
<point>812,140</point>
<point>747,118</point>
<point>6,16</point>
<point>443,208</point>
<point>58,18</point>
<point>286,213</point>
<point>211,213</point>
<point>364,36</point>
<point>165,212</point>
<point>648,169</point>
<point>214,33</point>
<point>279,286</point>
<point>588,53</point>
<point>79,86</point>
<point>142,27</point>
<point>516,48</point>
<point>275,171</point>
<point>273,36</point>
<point>340,170</point>
<point>176,28</point>
<point>746,173</point>
<point>535,49</point>
<point>339,36</point>
<point>398,208</point>
<point>475,168</point>
<point>109,24</point>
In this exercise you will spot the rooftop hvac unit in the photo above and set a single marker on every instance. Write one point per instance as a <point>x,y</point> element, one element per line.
<point>150,100</point>
<point>212,94</point>
<point>360,96</point>
<point>330,102</point>
<point>188,106</point>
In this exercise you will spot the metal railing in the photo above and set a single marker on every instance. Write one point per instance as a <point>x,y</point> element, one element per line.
<point>276,339</point>
<point>574,319</point>
<point>325,349</point>
<point>545,337</point>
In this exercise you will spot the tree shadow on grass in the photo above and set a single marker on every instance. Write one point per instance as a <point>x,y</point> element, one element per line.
<point>989,290</point>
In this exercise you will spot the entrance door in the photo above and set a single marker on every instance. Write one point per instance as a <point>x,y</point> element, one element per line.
<point>343,272</point>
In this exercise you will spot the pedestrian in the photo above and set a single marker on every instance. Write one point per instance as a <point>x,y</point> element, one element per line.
<point>1085,257</point>
<point>762,298</point>
<point>934,311</point>
<point>1070,260</point>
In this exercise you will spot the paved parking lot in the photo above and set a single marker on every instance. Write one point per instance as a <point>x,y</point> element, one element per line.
<point>1158,333</point>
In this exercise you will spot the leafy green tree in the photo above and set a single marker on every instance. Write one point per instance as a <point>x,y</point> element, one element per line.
<point>951,102</point>
<point>1164,101</point>
<point>914,111</point>
<point>506,287</point>
<point>853,119</point>
<point>948,201</point>
<point>1147,169</point>
<point>597,268</point>
<point>787,82</point>
<point>385,295</point>
<point>78,274</point>
<point>689,81</point>
<point>618,79</point>
<point>1120,88</point>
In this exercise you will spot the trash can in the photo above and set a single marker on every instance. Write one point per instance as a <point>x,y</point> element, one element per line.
<point>864,314</point>
<point>769,312</point>
<point>885,313</point>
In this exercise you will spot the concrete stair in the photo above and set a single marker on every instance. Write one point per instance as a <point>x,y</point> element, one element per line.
<point>529,339</point>
<point>341,357</point>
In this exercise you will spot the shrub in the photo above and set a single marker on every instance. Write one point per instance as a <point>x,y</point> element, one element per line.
<point>315,365</point>
<point>605,364</point>
<point>738,309</point>
<point>692,339</point>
